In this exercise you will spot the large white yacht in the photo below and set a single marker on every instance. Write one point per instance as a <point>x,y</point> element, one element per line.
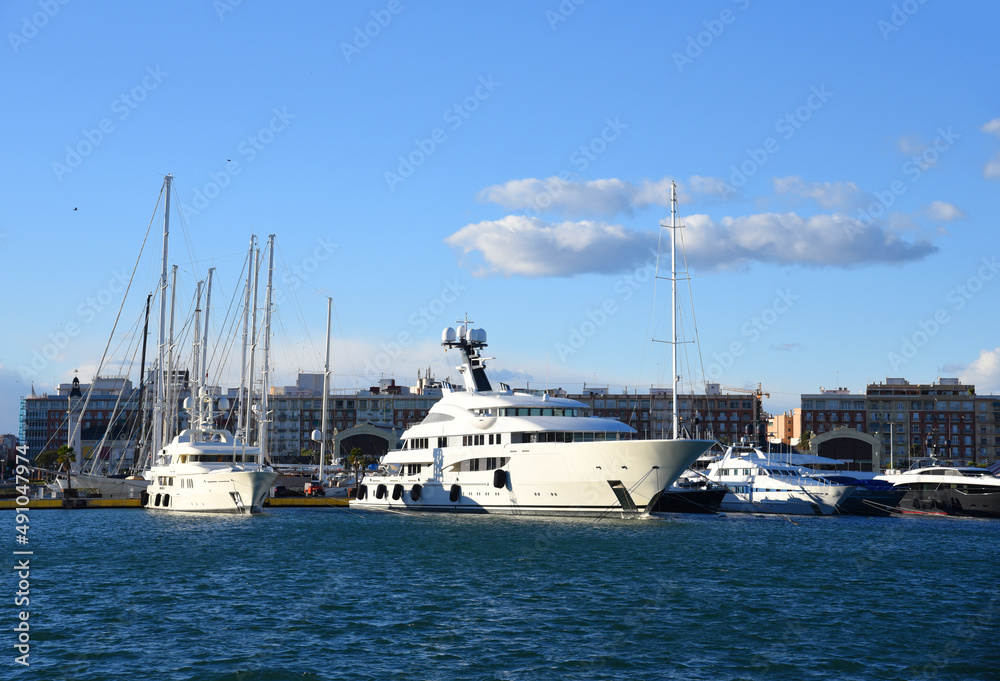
<point>499,451</point>
<point>758,484</point>
<point>207,469</point>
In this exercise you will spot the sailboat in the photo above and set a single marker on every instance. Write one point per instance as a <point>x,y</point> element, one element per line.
<point>209,469</point>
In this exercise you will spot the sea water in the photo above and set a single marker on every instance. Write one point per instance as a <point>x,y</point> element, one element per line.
<point>342,594</point>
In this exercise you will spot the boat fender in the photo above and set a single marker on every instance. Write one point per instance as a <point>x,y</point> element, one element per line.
<point>499,478</point>
<point>156,502</point>
<point>415,492</point>
<point>456,492</point>
<point>144,498</point>
<point>397,491</point>
<point>166,500</point>
<point>363,492</point>
<point>380,492</point>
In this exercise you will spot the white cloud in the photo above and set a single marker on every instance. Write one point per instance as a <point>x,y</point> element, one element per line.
<point>992,127</point>
<point>992,169</point>
<point>984,372</point>
<point>711,186</point>
<point>788,239</point>
<point>910,145</point>
<point>940,211</point>
<point>574,199</point>
<point>530,247</point>
<point>566,197</point>
<point>827,195</point>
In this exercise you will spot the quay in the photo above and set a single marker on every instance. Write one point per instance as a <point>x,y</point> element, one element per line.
<point>283,502</point>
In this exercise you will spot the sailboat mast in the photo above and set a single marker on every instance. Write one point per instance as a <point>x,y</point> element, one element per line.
<point>204,337</point>
<point>326,390</point>
<point>266,367</point>
<point>240,425</point>
<point>160,402</point>
<point>673,296</point>
<point>195,417</point>
<point>169,375</point>
<point>141,436</point>
<point>253,344</point>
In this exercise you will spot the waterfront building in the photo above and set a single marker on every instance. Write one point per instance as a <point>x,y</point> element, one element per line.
<point>785,427</point>
<point>724,415</point>
<point>107,421</point>
<point>8,454</point>
<point>903,420</point>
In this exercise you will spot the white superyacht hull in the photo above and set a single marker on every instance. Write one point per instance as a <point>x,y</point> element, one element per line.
<point>569,479</point>
<point>220,491</point>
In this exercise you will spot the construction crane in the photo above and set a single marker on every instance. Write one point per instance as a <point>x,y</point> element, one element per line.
<point>758,392</point>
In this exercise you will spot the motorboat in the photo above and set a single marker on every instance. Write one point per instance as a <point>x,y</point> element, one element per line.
<point>757,483</point>
<point>951,490</point>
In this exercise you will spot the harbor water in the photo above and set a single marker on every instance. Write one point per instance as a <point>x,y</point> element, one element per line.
<point>340,594</point>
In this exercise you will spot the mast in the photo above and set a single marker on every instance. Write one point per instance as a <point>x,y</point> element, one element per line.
<point>159,404</point>
<point>204,340</point>
<point>326,391</point>
<point>240,425</point>
<point>253,347</point>
<point>265,368</point>
<point>142,386</point>
<point>673,296</point>
<point>169,375</point>
<point>194,414</point>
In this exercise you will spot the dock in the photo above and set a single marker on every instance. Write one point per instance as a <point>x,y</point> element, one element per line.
<point>283,502</point>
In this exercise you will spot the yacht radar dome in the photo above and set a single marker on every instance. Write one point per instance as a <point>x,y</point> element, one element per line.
<point>448,335</point>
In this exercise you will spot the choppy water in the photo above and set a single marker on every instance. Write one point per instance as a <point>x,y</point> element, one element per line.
<point>322,594</point>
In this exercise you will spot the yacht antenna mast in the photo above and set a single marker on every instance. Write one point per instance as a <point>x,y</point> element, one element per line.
<point>673,296</point>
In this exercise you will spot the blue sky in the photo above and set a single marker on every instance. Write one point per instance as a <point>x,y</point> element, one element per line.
<point>837,165</point>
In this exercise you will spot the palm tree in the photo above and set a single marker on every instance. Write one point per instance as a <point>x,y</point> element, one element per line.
<point>65,456</point>
<point>356,462</point>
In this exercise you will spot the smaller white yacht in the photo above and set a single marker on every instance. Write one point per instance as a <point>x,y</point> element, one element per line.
<point>207,469</point>
<point>758,484</point>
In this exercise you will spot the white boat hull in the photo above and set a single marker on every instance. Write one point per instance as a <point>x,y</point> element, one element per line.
<point>222,491</point>
<point>823,501</point>
<point>103,486</point>
<point>572,479</point>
